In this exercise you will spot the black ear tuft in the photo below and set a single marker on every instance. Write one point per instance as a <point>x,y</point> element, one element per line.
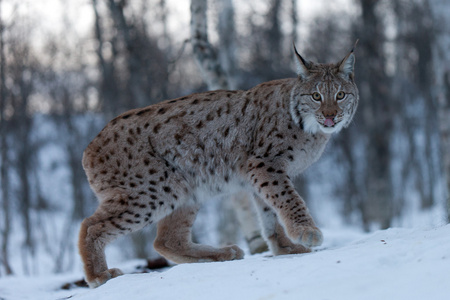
<point>302,65</point>
<point>347,65</point>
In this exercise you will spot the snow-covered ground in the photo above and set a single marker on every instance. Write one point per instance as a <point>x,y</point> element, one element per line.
<point>388,264</point>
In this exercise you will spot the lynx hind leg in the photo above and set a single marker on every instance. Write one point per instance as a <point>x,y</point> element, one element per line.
<point>110,221</point>
<point>94,236</point>
<point>173,240</point>
<point>279,243</point>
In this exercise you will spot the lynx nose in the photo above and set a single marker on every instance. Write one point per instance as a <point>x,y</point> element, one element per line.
<point>329,114</point>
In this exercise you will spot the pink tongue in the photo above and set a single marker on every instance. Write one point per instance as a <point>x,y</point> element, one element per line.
<point>328,123</point>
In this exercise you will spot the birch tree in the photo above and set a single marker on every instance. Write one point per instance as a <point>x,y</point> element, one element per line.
<point>205,54</point>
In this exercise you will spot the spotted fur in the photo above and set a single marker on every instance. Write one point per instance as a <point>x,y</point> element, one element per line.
<point>159,163</point>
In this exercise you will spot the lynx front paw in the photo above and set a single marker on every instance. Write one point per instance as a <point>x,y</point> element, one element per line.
<point>308,236</point>
<point>104,277</point>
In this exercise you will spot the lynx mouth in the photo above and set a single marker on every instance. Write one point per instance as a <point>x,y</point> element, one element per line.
<point>330,126</point>
<point>329,122</point>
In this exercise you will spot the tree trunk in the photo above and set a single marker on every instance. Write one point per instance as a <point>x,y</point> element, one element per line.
<point>204,53</point>
<point>274,35</point>
<point>441,10</point>
<point>6,224</point>
<point>294,19</point>
<point>377,207</point>
<point>23,124</point>
<point>138,97</point>
<point>109,93</point>
<point>227,41</point>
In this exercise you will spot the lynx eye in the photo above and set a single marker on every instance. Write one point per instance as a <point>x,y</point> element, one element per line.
<point>340,95</point>
<point>316,96</point>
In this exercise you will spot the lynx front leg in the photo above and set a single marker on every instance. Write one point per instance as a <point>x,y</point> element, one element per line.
<point>173,240</point>
<point>272,184</point>
<point>248,221</point>
<point>274,233</point>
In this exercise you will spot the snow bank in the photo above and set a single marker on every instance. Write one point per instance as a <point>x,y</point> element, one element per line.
<point>388,264</point>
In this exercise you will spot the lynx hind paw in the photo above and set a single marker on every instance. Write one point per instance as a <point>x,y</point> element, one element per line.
<point>238,252</point>
<point>104,277</point>
<point>231,253</point>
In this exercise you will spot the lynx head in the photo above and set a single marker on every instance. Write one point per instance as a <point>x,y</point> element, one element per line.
<point>325,96</point>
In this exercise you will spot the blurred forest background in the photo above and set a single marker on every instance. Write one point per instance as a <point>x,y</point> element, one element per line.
<point>68,67</point>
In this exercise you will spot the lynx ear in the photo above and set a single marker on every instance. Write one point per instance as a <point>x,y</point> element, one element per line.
<point>302,65</point>
<point>347,65</point>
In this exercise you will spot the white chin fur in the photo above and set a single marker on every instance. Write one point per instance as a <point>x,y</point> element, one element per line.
<point>328,130</point>
<point>334,129</point>
<point>311,125</point>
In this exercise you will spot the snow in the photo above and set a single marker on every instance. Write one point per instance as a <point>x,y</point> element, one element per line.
<point>396,263</point>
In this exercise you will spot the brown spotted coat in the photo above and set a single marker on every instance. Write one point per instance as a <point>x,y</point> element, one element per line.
<point>159,163</point>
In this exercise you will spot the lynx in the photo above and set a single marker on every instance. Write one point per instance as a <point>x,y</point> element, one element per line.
<point>158,164</point>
